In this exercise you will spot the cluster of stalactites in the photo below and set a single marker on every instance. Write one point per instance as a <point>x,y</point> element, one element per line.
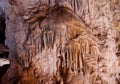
<point>81,57</point>
<point>63,32</point>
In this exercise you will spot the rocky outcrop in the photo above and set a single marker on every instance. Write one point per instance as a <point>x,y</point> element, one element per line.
<point>57,42</point>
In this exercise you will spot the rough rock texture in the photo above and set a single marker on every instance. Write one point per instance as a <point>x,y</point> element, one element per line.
<point>57,42</point>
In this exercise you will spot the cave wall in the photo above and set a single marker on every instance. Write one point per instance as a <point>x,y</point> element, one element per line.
<point>35,61</point>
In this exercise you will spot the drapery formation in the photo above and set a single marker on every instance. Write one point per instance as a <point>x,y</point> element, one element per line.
<point>57,42</point>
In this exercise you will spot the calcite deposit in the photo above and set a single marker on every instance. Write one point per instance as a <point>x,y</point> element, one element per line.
<point>62,41</point>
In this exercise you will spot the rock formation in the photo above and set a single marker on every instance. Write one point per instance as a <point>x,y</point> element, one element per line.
<point>62,41</point>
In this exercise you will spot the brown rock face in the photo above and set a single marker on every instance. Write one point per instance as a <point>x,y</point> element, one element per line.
<point>62,41</point>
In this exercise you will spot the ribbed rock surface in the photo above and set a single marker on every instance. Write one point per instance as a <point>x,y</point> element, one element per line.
<point>52,44</point>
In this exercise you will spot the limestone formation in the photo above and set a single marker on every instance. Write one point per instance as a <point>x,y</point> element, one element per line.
<point>62,41</point>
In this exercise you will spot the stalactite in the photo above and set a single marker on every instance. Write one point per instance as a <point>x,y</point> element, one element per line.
<point>82,55</point>
<point>49,36</point>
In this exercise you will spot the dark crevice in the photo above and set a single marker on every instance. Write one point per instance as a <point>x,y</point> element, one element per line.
<point>2,30</point>
<point>4,51</point>
<point>3,70</point>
